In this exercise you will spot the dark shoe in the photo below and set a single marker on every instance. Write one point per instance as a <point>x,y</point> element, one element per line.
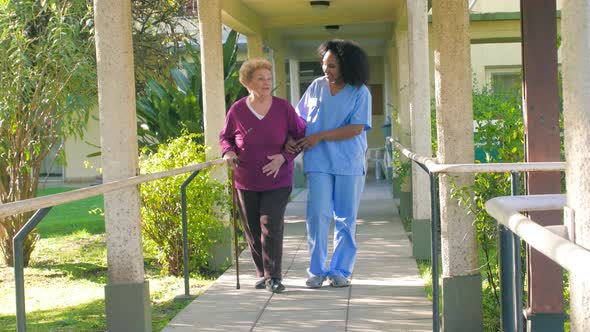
<point>274,285</point>
<point>260,284</point>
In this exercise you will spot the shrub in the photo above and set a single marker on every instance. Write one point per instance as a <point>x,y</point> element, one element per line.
<point>207,202</point>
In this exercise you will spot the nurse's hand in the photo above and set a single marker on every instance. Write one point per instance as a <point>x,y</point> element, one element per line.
<point>309,142</point>
<point>272,168</point>
<point>291,146</point>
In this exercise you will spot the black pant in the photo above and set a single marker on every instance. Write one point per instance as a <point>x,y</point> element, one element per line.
<point>263,221</point>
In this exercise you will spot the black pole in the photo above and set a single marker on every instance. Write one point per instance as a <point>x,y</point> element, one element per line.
<point>435,214</point>
<point>235,224</point>
<point>517,267</point>
<point>185,231</point>
<point>19,265</point>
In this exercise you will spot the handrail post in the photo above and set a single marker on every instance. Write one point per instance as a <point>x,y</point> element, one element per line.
<point>185,236</point>
<point>507,291</point>
<point>435,211</point>
<point>510,272</point>
<point>435,216</point>
<point>517,266</point>
<point>19,265</point>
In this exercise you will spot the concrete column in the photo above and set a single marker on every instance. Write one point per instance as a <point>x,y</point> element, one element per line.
<point>575,47</point>
<point>294,81</point>
<point>393,109</point>
<point>280,77</point>
<point>254,46</point>
<point>127,292</point>
<point>295,95</point>
<point>404,132</point>
<point>462,306</point>
<point>212,76</point>
<point>393,88</point>
<point>419,104</point>
<point>213,104</point>
<point>387,101</point>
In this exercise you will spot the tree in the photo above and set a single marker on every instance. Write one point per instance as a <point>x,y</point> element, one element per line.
<point>160,31</point>
<point>167,107</point>
<point>47,87</point>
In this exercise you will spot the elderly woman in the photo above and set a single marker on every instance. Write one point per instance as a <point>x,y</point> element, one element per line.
<point>252,141</point>
<point>337,108</point>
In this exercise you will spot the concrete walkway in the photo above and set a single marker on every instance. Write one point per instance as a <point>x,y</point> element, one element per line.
<point>387,293</point>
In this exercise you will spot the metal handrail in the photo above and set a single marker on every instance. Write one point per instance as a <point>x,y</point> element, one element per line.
<point>31,204</point>
<point>551,242</point>
<point>434,167</point>
<point>511,301</point>
<point>44,203</point>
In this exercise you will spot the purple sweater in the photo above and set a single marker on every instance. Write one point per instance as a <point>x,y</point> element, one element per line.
<point>253,140</point>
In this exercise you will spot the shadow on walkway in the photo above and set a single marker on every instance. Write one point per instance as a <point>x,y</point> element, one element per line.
<point>387,293</point>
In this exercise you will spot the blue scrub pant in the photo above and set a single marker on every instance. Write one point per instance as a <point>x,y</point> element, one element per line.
<point>332,197</point>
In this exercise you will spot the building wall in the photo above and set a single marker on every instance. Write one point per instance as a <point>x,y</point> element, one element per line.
<point>496,6</point>
<point>77,151</point>
<point>490,59</point>
<point>487,58</point>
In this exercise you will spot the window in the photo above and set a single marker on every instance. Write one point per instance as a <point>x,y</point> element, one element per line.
<point>506,83</point>
<point>506,80</point>
<point>51,166</point>
<point>309,71</point>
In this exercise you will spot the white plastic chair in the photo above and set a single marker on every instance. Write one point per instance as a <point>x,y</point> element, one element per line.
<point>376,157</point>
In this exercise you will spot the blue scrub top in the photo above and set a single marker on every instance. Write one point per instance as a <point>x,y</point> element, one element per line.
<point>322,111</point>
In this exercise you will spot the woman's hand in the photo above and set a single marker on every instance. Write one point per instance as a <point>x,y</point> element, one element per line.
<point>291,146</point>
<point>272,168</point>
<point>309,142</point>
<point>231,159</point>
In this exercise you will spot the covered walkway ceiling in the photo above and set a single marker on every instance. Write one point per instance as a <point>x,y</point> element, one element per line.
<point>301,27</point>
<point>297,27</point>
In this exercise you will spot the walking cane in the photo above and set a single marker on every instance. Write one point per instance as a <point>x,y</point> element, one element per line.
<point>234,213</point>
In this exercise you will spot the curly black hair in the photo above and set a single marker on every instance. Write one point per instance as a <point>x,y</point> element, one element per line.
<point>354,63</point>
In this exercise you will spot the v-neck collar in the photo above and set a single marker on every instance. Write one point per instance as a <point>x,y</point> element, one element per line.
<point>256,114</point>
<point>330,91</point>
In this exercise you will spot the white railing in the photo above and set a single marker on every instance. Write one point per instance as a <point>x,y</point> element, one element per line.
<point>435,167</point>
<point>552,241</point>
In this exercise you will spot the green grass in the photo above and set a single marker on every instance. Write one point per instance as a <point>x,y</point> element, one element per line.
<point>64,284</point>
<point>72,217</point>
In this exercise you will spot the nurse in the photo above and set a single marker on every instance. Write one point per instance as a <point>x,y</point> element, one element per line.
<point>337,109</point>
